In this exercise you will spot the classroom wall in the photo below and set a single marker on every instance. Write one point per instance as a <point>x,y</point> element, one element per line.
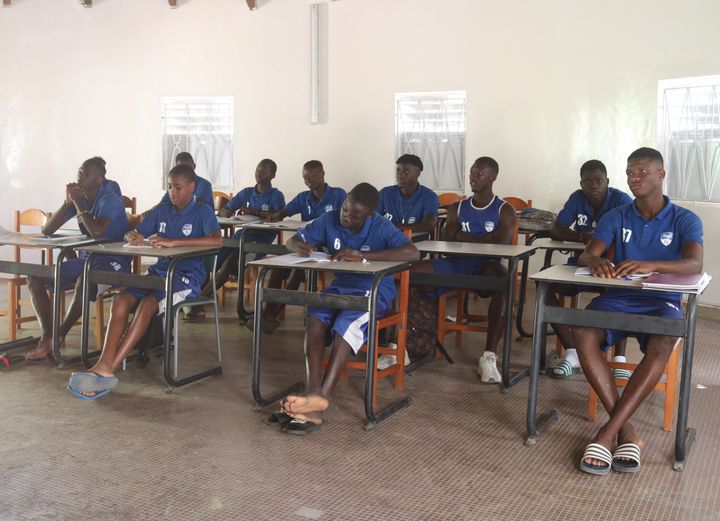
<point>549,85</point>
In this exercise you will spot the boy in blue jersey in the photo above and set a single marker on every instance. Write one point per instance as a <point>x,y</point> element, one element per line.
<point>482,218</point>
<point>261,200</point>
<point>407,204</point>
<point>650,235</point>
<point>354,234</point>
<point>576,223</point>
<point>320,198</point>
<point>183,222</point>
<point>100,213</point>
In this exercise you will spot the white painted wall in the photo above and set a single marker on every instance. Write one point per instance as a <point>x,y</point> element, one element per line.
<point>550,84</point>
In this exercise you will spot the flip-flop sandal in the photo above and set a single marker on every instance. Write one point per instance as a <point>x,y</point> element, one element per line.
<point>621,374</point>
<point>88,382</point>
<point>302,427</point>
<point>7,361</point>
<point>39,360</point>
<point>95,396</point>
<point>193,315</point>
<point>563,370</point>
<point>278,419</point>
<point>596,451</point>
<point>631,454</point>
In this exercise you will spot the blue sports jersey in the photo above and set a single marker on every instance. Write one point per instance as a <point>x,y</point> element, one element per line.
<point>114,186</point>
<point>479,221</point>
<point>195,220</point>
<point>203,193</point>
<point>271,200</point>
<point>376,234</point>
<point>309,208</point>
<point>398,209</point>
<point>107,204</point>
<point>661,238</point>
<point>578,211</point>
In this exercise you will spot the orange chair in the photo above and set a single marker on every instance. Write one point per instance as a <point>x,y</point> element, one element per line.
<point>31,217</point>
<point>449,198</point>
<point>220,199</point>
<point>667,384</point>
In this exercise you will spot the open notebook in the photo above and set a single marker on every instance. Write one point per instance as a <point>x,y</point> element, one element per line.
<point>635,276</point>
<point>293,258</point>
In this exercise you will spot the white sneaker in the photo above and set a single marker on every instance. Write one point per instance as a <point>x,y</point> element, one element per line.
<point>386,361</point>
<point>487,368</point>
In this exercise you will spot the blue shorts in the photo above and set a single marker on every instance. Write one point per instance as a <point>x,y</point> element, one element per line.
<point>460,266</point>
<point>351,325</point>
<point>184,288</point>
<point>72,269</point>
<point>635,302</point>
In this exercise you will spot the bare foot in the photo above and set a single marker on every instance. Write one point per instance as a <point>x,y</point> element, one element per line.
<point>42,350</point>
<point>304,404</point>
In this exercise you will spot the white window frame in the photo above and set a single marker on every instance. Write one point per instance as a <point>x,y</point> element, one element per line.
<point>692,162</point>
<point>440,144</point>
<point>210,141</point>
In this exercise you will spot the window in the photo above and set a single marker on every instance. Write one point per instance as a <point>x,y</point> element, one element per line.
<point>689,137</point>
<point>431,125</point>
<point>203,127</point>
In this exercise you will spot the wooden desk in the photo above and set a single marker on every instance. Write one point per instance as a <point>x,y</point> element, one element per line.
<point>679,327</point>
<point>376,269</point>
<point>496,284</point>
<point>54,273</point>
<point>176,255</point>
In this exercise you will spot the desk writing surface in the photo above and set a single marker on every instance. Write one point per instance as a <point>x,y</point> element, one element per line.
<point>549,244</point>
<point>338,266</point>
<point>286,225</point>
<point>237,223</point>
<point>566,274</point>
<point>474,248</point>
<point>116,248</point>
<point>25,240</point>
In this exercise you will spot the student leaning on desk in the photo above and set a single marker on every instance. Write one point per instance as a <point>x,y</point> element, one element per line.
<point>649,235</point>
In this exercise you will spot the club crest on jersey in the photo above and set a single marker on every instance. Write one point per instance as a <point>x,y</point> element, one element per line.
<point>329,208</point>
<point>489,226</point>
<point>666,238</point>
<point>411,220</point>
<point>187,230</point>
<point>364,247</point>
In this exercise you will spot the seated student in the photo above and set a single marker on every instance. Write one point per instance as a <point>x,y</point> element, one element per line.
<point>101,215</point>
<point>182,222</point>
<point>260,200</point>
<point>483,218</point>
<point>575,223</point>
<point>355,233</point>
<point>310,204</point>
<point>407,204</point>
<point>650,235</point>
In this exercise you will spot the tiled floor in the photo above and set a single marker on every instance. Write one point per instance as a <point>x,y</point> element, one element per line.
<point>456,453</point>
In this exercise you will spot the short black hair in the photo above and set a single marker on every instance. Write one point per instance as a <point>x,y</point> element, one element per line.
<point>183,170</point>
<point>270,164</point>
<point>184,156</point>
<point>313,164</point>
<point>646,153</point>
<point>366,195</point>
<point>97,162</point>
<point>488,162</point>
<point>410,159</point>
<point>592,165</point>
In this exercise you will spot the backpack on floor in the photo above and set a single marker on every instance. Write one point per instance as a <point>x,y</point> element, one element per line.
<point>421,339</point>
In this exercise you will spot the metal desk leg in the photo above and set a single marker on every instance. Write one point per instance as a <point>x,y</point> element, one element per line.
<point>57,318</point>
<point>684,437</point>
<point>508,382</point>
<point>538,351</point>
<point>260,400</point>
<point>169,318</point>
<point>373,417</point>
<point>521,301</point>
<point>243,314</point>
